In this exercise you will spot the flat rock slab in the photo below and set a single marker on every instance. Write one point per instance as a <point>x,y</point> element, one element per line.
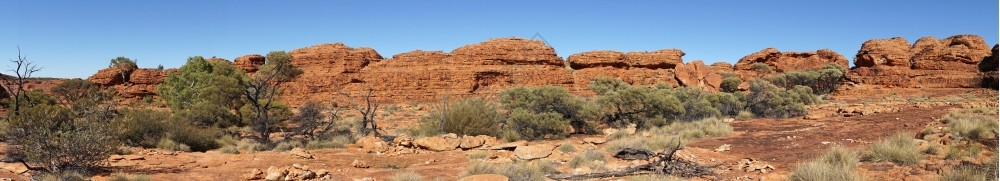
<point>533,151</point>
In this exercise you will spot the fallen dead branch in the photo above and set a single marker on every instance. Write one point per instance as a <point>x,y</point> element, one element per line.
<point>661,163</point>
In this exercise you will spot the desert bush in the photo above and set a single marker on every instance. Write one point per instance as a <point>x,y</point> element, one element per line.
<point>728,104</point>
<point>287,145</point>
<point>548,100</point>
<point>744,115</point>
<point>567,147</point>
<point>959,151</point>
<point>655,143</point>
<point>837,164</point>
<point>182,131</point>
<point>730,84</point>
<point>478,155</point>
<point>74,89</point>
<point>472,117</point>
<point>30,99</point>
<point>971,125</point>
<point>767,100</point>
<point>525,171</point>
<point>207,90</point>
<point>64,176</point>
<point>984,172</point>
<point>620,134</point>
<point>141,127</point>
<point>59,140</point>
<point>126,177</point>
<point>710,127</point>
<point>478,168</point>
<point>624,104</point>
<point>586,158</point>
<point>533,126</point>
<point>899,149</point>
<point>406,176</point>
<point>171,145</point>
<point>822,81</point>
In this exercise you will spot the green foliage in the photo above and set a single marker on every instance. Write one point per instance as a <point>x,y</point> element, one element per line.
<point>823,81</point>
<point>196,138</point>
<point>141,127</point>
<point>205,85</point>
<point>760,68</point>
<point>709,127</point>
<point>586,158</point>
<point>548,100</point>
<point>624,104</point>
<point>535,126</point>
<point>767,100</point>
<point>72,141</point>
<point>471,117</point>
<point>31,99</point>
<point>567,147</point>
<point>123,62</point>
<point>75,89</point>
<point>971,126</point>
<point>899,149</point>
<point>730,84</point>
<point>278,113</point>
<point>837,164</point>
<point>279,61</point>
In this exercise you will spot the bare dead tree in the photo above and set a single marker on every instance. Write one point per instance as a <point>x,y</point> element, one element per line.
<point>663,163</point>
<point>311,121</point>
<point>14,85</point>
<point>367,110</point>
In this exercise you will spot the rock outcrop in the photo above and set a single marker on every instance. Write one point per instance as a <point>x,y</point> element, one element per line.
<point>696,74</point>
<point>249,63</point>
<point>637,68</point>
<point>952,62</point>
<point>781,62</point>
<point>129,82</point>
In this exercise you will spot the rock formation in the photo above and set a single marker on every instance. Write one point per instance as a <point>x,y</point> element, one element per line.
<point>781,62</point>
<point>638,68</point>
<point>696,74</point>
<point>951,62</point>
<point>249,63</point>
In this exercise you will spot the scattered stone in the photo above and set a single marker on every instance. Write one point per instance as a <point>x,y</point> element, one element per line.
<point>484,177</point>
<point>509,145</point>
<point>595,141</point>
<point>275,173</point>
<point>359,164</point>
<point>724,147</point>
<point>373,144</point>
<point>403,140</point>
<point>750,165</point>
<point>469,142</point>
<point>533,151</point>
<point>301,153</point>
<point>306,175</point>
<point>116,157</point>
<point>438,143</point>
<point>254,174</point>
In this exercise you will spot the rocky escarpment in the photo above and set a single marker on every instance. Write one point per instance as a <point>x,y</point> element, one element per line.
<point>781,62</point>
<point>951,62</point>
<point>249,63</point>
<point>129,82</point>
<point>641,68</point>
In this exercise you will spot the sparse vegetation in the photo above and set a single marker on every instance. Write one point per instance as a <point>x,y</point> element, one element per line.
<point>406,176</point>
<point>899,149</point>
<point>478,155</point>
<point>837,164</point>
<point>469,117</point>
<point>972,172</point>
<point>585,159</point>
<point>126,177</point>
<point>971,125</point>
<point>567,147</point>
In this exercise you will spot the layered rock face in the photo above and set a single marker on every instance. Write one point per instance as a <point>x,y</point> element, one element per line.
<point>696,74</point>
<point>951,62</point>
<point>781,62</point>
<point>129,82</point>
<point>249,63</point>
<point>637,68</point>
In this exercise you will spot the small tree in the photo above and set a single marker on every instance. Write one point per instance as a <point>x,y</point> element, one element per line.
<point>624,104</point>
<point>14,85</point>
<point>311,120</point>
<point>261,91</point>
<point>75,89</point>
<point>730,84</point>
<point>366,105</point>
<point>550,99</point>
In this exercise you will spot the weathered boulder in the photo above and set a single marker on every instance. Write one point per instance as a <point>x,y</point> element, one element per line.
<point>533,151</point>
<point>301,153</point>
<point>890,52</point>
<point>111,76</point>
<point>791,61</point>
<point>506,51</point>
<point>696,74</point>
<point>373,143</point>
<point>469,142</point>
<point>591,59</point>
<point>908,78</point>
<point>249,63</point>
<point>437,143</point>
<point>147,76</point>
<point>959,52</point>
<point>990,63</point>
<point>722,67</point>
<point>660,59</point>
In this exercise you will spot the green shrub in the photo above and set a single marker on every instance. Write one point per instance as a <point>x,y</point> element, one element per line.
<point>586,158</point>
<point>525,171</point>
<point>744,115</point>
<point>230,149</point>
<point>730,84</point>
<point>469,117</point>
<point>823,81</point>
<point>899,149</point>
<point>64,176</point>
<point>141,127</point>
<point>207,90</point>
<point>624,104</point>
<point>728,104</point>
<point>620,134</point>
<point>168,144</point>
<point>57,139</point>
<point>959,151</point>
<point>250,145</point>
<point>971,125</point>
<point>406,176</point>
<point>532,126</point>
<point>478,168</point>
<point>197,138</point>
<point>287,145</point>
<point>711,127</point>
<point>567,147</point>
<point>767,100</point>
<point>972,172</point>
<point>478,155</point>
<point>549,100</point>
<point>837,164</point>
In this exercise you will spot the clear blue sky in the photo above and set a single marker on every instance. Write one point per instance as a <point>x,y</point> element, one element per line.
<point>76,38</point>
